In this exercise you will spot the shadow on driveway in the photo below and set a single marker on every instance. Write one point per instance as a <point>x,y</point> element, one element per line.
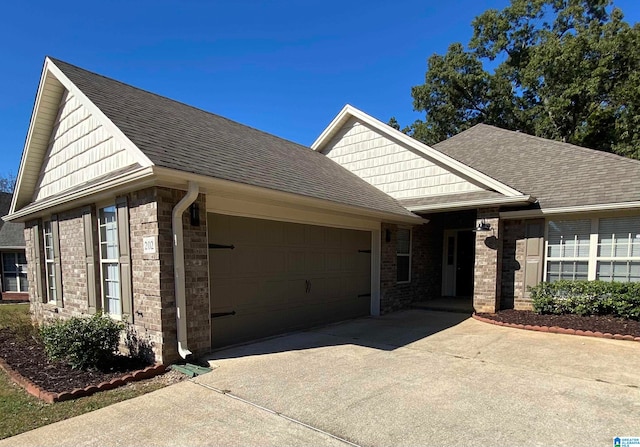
<point>387,333</point>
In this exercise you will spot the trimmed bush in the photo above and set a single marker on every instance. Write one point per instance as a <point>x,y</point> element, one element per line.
<point>587,298</point>
<point>82,342</point>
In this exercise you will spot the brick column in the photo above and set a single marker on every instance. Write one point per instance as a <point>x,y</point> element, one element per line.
<point>486,285</point>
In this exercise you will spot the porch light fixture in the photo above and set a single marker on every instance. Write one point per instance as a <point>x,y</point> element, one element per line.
<point>482,226</point>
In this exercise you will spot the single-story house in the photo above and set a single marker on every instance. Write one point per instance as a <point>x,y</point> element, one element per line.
<point>200,232</point>
<point>13,263</point>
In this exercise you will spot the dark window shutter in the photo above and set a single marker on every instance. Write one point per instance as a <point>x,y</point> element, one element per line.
<point>122,212</point>
<point>36,237</point>
<point>534,251</point>
<point>56,260</point>
<point>90,249</point>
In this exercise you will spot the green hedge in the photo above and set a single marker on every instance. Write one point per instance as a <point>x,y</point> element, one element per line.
<point>587,298</point>
<point>82,342</point>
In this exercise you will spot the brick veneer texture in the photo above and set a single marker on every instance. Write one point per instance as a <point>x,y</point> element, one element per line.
<point>154,310</point>
<point>488,263</point>
<point>394,296</point>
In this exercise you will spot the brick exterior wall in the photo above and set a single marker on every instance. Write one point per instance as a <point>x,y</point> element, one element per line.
<point>394,296</point>
<point>513,252</point>
<point>488,265</point>
<point>154,326</point>
<point>196,252</point>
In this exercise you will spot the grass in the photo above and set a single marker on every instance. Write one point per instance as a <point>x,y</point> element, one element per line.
<point>20,412</point>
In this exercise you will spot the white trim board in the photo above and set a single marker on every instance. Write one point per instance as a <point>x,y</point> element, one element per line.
<point>620,206</point>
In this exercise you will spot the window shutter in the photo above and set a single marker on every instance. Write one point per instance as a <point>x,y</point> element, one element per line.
<point>89,248</point>
<point>55,232</point>
<point>125,258</point>
<point>36,236</point>
<point>534,247</point>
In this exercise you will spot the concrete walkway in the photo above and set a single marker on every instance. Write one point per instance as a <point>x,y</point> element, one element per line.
<point>410,378</point>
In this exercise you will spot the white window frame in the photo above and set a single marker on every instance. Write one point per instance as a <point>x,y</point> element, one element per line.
<point>404,254</point>
<point>593,257</point>
<point>17,272</point>
<point>108,261</point>
<point>548,258</point>
<point>49,263</point>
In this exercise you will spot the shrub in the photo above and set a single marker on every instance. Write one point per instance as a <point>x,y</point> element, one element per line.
<point>587,298</point>
<point>82,342</point>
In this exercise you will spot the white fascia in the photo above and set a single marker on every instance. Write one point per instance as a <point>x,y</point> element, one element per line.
<point>173,178</point>
<point>138,179</point>
<point>618,206</point>
<point>502,201</point>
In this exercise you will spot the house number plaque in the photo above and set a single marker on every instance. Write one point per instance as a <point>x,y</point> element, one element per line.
<point>149,244</point>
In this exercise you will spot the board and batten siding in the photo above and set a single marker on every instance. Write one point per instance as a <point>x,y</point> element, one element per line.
<point>390,166</point>
<point>80,149</point>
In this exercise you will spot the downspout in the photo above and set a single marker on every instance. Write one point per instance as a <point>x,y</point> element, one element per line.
<point>178,267</point>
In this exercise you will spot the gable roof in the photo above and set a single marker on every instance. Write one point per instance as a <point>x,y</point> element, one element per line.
<point>170,134</point>
<point>438,157</point>
<point>557,174</point>
<point>11,233</point>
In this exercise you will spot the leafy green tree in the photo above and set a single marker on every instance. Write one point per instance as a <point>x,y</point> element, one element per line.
<point>567,70</point>
<point>7,182</point>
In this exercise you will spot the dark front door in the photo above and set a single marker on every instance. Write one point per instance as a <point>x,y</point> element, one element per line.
<point>465,254</point>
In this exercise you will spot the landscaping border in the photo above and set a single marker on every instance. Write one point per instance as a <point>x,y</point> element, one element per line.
<point>557,330</point>
<point>49,397</point>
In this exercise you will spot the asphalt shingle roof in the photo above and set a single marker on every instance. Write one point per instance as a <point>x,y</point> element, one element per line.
<point>177,136</point>
<point>558,174</point>
<point>11,233</point>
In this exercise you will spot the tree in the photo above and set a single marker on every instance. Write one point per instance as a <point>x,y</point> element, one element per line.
<point>567,70</point>
<point>7,182</point>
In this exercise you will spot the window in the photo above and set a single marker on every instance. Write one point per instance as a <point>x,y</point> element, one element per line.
<point>568,245</point>
<point>49,262</point>
<point>619,250</point>
<point>109,260</point>
<point>600,248</point>
<point>14,276</point>
<point>403,252</point>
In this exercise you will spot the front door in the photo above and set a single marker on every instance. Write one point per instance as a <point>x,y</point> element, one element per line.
<point>458,263</point>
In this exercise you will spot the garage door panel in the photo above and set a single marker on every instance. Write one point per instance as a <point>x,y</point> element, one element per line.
<point>284,276</point>
<point>314,261</point>
<point>333,260</point>
<point>294,234</point>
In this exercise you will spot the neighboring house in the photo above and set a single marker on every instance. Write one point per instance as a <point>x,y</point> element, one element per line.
<point>506,210</point>
<point>201,232</point>
<point>13,263</point>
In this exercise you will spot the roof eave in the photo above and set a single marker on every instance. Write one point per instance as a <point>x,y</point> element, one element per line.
<point>176,177</point>
<point>600,207</point>
<point>136,179</point>
<point>480,203</point>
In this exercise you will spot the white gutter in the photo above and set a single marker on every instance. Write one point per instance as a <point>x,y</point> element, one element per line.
<point>505,201</point>
<point>178,267</point>
<point>570,209</point>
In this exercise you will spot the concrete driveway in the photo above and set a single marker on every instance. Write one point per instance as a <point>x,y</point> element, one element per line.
<point>409,378</point>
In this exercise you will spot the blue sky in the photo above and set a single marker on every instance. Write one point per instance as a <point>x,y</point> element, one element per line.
<point>285,67</point>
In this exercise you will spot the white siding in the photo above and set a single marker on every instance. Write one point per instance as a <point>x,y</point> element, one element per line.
<point>390,166</point>
<point>79,150</point>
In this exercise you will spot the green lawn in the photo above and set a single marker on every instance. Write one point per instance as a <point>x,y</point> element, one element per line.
<point>20,412</point>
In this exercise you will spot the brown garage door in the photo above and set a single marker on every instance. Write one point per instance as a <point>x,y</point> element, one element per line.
<point>282,276</point>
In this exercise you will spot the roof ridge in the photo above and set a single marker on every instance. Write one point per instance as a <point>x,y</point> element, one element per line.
<point>555,142</point>
<point>56,61</point>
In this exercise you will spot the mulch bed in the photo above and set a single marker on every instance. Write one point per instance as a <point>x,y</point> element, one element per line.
<point>26,355</point>
<point>603,323</point>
